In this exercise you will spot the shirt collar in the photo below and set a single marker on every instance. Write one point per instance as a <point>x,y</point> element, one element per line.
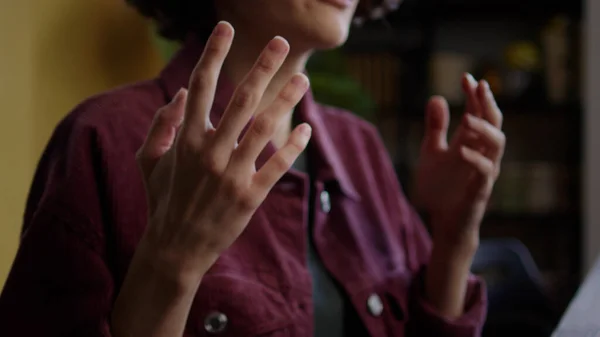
<point>327,160</point>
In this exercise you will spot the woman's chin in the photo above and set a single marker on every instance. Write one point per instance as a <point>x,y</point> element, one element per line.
<point>329,38</point>
<point>334,43</point>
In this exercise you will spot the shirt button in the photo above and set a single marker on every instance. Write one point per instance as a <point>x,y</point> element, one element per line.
<point>375,305</point>
<point>325,201</point>
<point>215,322</point>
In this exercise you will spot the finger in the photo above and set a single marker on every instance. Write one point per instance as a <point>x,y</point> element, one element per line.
<point>480,163</point>
<point>203,81</point>
<point>480,187</point>
<point>436,124</point>
<point>468,138</point>
<point>247,96</point>
<point>491,112</point>
<point>473,105</point>
<point>493,138</point>
<point>265,125</point>
<point>162,132</point>
<point>282,160</point>
<point>463,136</point>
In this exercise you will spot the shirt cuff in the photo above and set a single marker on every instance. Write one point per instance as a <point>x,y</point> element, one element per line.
<point>429,322</point>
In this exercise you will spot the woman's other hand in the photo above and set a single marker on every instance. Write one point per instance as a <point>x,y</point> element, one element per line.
<point>455,181</point>
<point>454,184</point>
<point>202,186</point>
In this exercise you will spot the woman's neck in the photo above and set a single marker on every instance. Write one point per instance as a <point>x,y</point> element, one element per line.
<point>242,56</point>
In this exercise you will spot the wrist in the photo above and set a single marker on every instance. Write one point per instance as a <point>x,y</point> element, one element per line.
<point>452,259</point>
<point>456,245</point>
<point>153,299</point>
<point>177,272</point>
<point>453,239</point>
<point>446,280</point>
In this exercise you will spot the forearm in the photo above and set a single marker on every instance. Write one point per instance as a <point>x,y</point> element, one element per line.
<point>447,275</point>
<point>152,302</point>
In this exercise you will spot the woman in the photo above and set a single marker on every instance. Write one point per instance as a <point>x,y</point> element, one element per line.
<point>218,236</point>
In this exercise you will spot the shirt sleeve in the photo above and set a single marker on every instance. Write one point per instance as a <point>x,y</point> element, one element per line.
<point>424,318</point>
<point>60,283</point>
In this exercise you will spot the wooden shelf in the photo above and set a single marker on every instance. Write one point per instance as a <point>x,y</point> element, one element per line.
<point>532,217</point>
<point>508,10</point>
<point>375,38</point>
<point>477,10</point>
<point>570,111</point>
<point>536,106</point>
<point>553,237</point>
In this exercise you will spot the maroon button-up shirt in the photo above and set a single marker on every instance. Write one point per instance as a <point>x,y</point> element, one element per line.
<point>86,212</point>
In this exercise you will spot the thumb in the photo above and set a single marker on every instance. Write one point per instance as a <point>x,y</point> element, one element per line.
<point>162,133</point>
<point>436,124</point>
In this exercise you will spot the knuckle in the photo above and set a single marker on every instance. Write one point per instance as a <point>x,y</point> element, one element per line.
<point>487,169</point>
<point>162,117</point>
<point>296,146</point>
<point>139,155</point>
<point>485,194</point>
<point>200,80</point>
<point>236,189</point>
<point>501,138</point>
<point>247,201</point>
<point>288,95</point>
<point>231,186</point>
<point>244,98</point>
<point>263,126</point>
<point>265,64</point>
<point>188,144</point>
<point>211,164</point>
<point>478,167</point>
<point>500,116</point>
<point>281,163</point>
<point>212,50</point>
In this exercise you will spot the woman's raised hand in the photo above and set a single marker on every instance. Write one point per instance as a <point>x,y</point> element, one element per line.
<point>202,186</point>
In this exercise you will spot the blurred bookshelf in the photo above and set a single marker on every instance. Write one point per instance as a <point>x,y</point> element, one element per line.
<point>502,9</point>
<point>531,56</point>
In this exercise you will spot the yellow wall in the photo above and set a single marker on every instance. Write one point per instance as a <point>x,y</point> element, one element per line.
<point>16,120</point>
<point>54,54</point>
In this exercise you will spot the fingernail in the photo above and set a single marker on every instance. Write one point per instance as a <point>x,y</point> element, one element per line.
<point>221,29</point>
<point>486,86</point>
<point>178,95</point>
<point>300,81</point>
<point>471,79</point>
<point>488,92</point>
<point>297,80</point>
<point>278,44</point>
<point>305,129</point>
<point>469,119</point>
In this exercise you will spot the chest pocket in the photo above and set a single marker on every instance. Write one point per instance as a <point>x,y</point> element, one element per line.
<point>228,306</point>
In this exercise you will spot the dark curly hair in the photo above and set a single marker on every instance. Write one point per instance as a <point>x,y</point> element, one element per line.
<point>177,18</point>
